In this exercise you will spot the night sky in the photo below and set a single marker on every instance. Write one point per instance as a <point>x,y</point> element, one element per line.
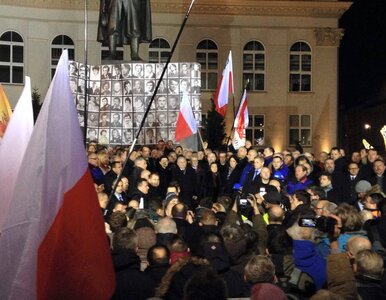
<point>363,55</point>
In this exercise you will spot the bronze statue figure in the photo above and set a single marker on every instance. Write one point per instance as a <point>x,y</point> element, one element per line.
<point>123,22</point>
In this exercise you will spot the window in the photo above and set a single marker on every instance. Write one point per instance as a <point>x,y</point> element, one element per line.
<point>105,53</point>
<point>207,56</point>
<point>159,50</point>
<point>300,130</point>
<point>11,57</point>
<point>254,65</point>
<point>58,44</point>
<point>255,130</point>
<point>300,67</point>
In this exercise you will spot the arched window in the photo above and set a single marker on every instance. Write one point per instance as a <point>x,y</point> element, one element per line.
<point>159,50</point>
<point>254,65</point>
<point>300,67</point>
<point>11,57</point>
<point>59,43</point>
<point>207,56</point>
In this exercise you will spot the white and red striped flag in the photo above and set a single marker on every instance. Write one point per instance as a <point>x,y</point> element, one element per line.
<point>241,123</point>
<point>225,87</point>
<point>186,124</point>
<point>53,243</point>
<point>13,146</point>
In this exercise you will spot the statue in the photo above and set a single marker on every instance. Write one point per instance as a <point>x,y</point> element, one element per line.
<point>123,22</point>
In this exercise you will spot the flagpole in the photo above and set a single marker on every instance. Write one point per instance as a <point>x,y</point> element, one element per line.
<point>233,123</point>
<point>152,97</point>
<point>85,72</point>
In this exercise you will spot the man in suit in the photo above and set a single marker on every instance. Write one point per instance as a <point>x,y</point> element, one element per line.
<point>349,182</point>
<point>186,177</point>
<point>253,177</point>
<point>116,120</point>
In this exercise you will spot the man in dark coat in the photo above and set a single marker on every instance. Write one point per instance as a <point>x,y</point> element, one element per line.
<point>131,283</point>
<point>124,22</point>
<point>186,178</point>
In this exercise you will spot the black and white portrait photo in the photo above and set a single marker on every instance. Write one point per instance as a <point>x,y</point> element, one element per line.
<point>127,121</point>
<point>105,103</point>
<point>95,73</point>
<point>138,86</point>
<point>149,71</point>
<point>127,136</point>
<point>92,119</point>
<point>116,104</point>
<point>103,136</point>
<point>93,103</point>
<point>127,104</point>
<point>126,71</point>
<point>116,136</point>
<point>117,87</point>
<point>104,120</point>
<point>116,120</point>
<point>161,103</point>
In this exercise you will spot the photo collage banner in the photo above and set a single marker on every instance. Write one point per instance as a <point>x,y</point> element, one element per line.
<point>118,95</point>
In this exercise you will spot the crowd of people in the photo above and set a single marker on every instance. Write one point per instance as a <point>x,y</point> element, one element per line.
<point>251,223</point>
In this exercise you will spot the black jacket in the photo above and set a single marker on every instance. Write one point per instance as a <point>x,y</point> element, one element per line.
<point>130,281</point>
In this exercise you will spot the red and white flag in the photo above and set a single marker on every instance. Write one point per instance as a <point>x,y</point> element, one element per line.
<point>241,123</point>
<point>53,243</point>
<point>186,124</point>
<point>14,144</point>
<point>225,87</point>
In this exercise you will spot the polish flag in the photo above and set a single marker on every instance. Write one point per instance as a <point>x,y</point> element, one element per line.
<point>14,144</point>
<point>186,124</point>
<point>53,243</point>
<point>5,112</point>
<point>225,87</point>
<point>241,123</point>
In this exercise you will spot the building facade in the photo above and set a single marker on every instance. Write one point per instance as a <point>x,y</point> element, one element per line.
<point>288,50</point>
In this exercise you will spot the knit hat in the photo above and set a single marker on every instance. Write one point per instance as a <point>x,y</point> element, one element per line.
<point>267,291</point>
<point>169,197</point>
<point>363,186</point>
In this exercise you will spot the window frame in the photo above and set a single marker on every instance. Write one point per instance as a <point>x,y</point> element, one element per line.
<point>205,70</point>
<point>300,72</point>
<point>159,50</point>
<point>61,47</point>
<point>252,127</point>
<point>299,128</point>
<point>11,63</point>
<point>254,70</point>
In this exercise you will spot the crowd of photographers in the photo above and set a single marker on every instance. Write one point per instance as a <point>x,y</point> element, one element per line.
<point>250,223</point>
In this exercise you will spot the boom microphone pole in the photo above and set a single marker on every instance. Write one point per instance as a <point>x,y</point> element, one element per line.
<point>85,73</point>
<point>152,99</point>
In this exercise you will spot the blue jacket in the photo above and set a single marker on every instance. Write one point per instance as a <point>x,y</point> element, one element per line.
<point>308,260</point>
<point>281,173</point>
<point>243,176</point>
<point>292,186</point>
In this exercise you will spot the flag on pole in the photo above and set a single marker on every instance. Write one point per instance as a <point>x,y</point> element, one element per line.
<point>186,124</point>
<point>241,123</point>
<point>5,111</point>
<point>53,243</point>
<point>14,144</point>
<point>225,87</point>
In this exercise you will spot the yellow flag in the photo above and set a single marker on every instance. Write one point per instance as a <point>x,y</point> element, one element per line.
<point>5,111</point>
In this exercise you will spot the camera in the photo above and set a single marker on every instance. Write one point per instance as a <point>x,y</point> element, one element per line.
<point>324,224</point>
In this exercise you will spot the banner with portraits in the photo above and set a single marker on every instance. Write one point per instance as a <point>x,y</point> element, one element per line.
<point>118,95</point>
